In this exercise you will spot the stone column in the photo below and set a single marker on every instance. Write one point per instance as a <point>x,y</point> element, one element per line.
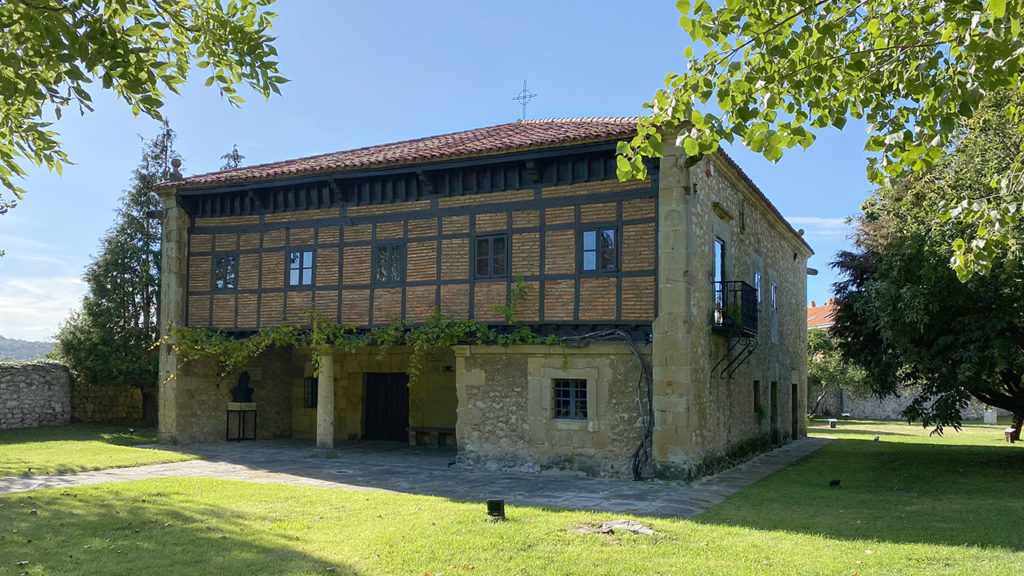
<point>173,272</point>
<point>325,406</point>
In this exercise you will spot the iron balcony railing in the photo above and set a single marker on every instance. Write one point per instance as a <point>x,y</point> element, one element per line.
<point>735,308</point>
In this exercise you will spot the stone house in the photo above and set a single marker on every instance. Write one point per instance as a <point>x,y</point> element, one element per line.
<point>679,295</point>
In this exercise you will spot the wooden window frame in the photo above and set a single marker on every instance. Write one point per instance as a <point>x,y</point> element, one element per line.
<point>391,248</point>
<point>230,275</point>
<point>491,273</point>
<point>572,388</point>
<point>597,250</point>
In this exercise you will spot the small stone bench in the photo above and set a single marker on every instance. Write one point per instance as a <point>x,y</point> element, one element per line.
<point>1009,434</point>
<point>431,436</point>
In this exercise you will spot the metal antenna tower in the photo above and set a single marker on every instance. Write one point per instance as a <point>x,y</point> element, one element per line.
<point>524,98</point>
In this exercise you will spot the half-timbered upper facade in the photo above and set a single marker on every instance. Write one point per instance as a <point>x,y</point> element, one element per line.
<point>367,246</point>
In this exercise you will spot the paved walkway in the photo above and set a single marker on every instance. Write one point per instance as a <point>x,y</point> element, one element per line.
<point>427,471</point>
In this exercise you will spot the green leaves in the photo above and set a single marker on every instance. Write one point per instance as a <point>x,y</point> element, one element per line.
<point>914,71</point>
<point>137,48</point>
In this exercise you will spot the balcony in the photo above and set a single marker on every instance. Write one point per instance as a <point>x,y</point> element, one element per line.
<point>735,308</point>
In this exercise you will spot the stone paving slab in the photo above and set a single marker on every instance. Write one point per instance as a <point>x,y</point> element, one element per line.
<point>430,471</point>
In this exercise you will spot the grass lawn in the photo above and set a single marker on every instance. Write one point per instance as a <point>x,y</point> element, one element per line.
<point>909,504</point>
<point>77,448</point>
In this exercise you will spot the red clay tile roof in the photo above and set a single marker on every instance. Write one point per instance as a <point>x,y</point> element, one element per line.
<point>821,316</point>
<point>500,139</point>
<point>492,140</point>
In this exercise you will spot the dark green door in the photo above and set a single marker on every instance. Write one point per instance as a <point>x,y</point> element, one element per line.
<point>386,406</point>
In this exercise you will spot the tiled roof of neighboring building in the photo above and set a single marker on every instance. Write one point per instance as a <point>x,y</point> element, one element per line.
<point>821,316</point>
<point>500,139</point>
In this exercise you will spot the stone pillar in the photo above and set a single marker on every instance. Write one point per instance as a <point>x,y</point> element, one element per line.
<point>325,405</point>
<point>173,272</point>
<point>671,362</point>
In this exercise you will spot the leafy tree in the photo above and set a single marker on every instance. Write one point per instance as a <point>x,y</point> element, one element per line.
<point>778,69</point>
<point>111,339</point>
<point>905,316</point>
<point>828,370</point>
<point>232,159</point>
<point>52,50</point>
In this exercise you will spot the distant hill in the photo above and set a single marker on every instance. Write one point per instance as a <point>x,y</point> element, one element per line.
<point>14,349</point>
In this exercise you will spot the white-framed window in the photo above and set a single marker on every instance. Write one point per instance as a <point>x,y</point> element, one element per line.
<point>775,297</point>
<point>757,285</point>
<point>300,268</point>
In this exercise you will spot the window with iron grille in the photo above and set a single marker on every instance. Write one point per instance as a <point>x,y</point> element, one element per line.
<point>600,251</point>
<point>300,268</point>
<point>309,395</point>
<point>225,273</point>
<point>490,257</point>
<point>570,399</point>
<point>389,263</point>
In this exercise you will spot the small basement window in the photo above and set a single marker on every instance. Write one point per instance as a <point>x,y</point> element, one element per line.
<point>300,268</point>
<point>225,273</point>
<point>570,399</point>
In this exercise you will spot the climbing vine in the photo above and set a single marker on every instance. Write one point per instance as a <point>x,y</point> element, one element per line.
<point>233,354</point>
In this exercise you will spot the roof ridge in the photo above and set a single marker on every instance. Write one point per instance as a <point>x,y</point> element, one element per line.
<point>579,119</point>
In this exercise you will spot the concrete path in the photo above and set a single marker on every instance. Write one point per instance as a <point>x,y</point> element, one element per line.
<point>427,471</point>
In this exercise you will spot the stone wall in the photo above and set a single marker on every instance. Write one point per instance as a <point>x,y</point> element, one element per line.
<point>867,407</point>
<point>704,418</point>
<point>105,403</point>
<point>34,394</point>
<point>505,415</point>
<point>193,405</point>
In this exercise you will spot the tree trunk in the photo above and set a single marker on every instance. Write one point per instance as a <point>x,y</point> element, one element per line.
<point>824,391</point>
<point>149,408</point>
<point>1016,422</point>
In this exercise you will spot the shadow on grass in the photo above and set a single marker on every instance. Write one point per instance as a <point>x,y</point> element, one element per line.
<point>117,433</point>
<point>889,491</point>
<point>55,450</point>
<point>153,527</point>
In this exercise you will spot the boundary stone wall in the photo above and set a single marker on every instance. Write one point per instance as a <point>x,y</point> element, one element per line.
<point>105,403</point>
<point>34,394</point>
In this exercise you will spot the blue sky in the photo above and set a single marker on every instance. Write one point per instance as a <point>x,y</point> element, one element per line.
<point>367,73</point>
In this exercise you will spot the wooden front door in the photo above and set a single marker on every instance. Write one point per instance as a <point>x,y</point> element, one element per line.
<point>386,406</point>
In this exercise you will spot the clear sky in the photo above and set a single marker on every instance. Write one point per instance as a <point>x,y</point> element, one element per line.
<point>366,73</point>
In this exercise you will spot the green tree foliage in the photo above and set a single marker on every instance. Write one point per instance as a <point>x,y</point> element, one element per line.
<point>779,69</point>
<point>827,369</point>
<point>111,340</point>
<point>51,51</point>
<point>232,159</point>
<point>905,316</point>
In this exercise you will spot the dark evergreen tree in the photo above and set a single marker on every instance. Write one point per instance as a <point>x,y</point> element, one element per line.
<point>110,341</point>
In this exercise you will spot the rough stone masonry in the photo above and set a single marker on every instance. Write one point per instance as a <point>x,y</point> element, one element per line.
<point>34,394</point>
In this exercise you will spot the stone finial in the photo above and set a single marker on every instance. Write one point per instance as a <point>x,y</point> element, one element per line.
<point>175,172</point>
